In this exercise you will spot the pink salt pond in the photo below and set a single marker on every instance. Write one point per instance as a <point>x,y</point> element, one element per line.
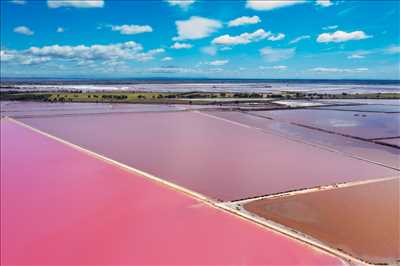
<point>37,109</point>
<point>358,124</point>
<point>219,159</point>
<point>383,154</point>
<point>60,206</point>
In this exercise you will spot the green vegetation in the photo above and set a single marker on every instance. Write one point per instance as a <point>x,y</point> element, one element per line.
<point>98,97</point>
<point>183,98</point>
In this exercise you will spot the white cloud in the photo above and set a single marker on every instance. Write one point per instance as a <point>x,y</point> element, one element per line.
<point>120,51</point>
<point>210,50</point>
<point>277,37</point>
<point>88,52</point>
<point>360,54</point>
<point>277,54</point>
<point>356,56</point>
<point>60,30</point>
<point>196,28</point>
<point>75,3</point>
<point>243,38</point>
<point>6,55</point>
<point>179,45</point>
<point>184,4</point>
<point>324,3</point>
<point>332,27</point>
<point>119,54</point>
<point>225,48</point>
<point>271,4</point>
<point>215,69</point>
<point>172,69</point>
<point>29,60</point>
<point>131,29</point>
<point>394,49</point>
<point>281,67</point>
<point>244,21</point>
<point>23,30</point>
<point>18,2</point>
<point>342,36</point>
<point>338,70</point>
<point>218,62</point>
<point>167,58</point>
<point>300,38</point>
<point>13,56</point>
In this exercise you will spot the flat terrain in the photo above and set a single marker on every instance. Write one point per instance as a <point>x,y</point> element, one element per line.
<point>217,158</point>
<point>363,125</point>
<point>368,150</point>
<point>353,219</point>
<point>139,173</point>
<point>179,97</point>
<point>59,204</point>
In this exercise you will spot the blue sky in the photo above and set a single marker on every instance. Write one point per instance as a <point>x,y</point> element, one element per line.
<point>215,39</point>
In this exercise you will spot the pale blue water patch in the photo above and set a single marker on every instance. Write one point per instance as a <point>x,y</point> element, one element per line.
<point>365,108</point>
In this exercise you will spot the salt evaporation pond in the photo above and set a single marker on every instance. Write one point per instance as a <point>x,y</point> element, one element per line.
<point>378,108</point>
<point>28,109</point>
<point>362,125</point>
<point>391,141</point>
<point>389,156</point>
<point>60,205</point>
<point>361,220</point>
<point>217,158</point>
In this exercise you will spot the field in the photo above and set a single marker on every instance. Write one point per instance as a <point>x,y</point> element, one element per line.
<point>178,98</point>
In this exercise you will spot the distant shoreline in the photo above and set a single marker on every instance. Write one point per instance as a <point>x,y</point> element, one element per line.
<point>129,81</point>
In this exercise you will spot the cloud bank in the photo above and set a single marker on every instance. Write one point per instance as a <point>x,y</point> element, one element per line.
<point>75,3</point>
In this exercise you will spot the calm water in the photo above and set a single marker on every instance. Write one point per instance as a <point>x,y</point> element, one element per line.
<point>217,158</point>
<point>357,124</point>
<point>338,218</point>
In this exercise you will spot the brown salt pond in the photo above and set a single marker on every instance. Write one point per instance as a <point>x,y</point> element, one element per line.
<point>211,156</point>
<point>357,124</point>
<point>389,156</point>
<point>361,220</point>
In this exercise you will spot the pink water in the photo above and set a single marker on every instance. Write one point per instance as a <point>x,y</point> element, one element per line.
<point>214,157</point>
<point>37,109</point>
<point>368,150</point>
<point>60,206</point>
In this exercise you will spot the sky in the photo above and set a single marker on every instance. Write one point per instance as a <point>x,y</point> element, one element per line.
<point>297,39</point>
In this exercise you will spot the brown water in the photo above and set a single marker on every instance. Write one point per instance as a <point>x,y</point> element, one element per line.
<point>358,124</point>
<point>371,151</point>
<point>214,157</point>
<point>362,220</point>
